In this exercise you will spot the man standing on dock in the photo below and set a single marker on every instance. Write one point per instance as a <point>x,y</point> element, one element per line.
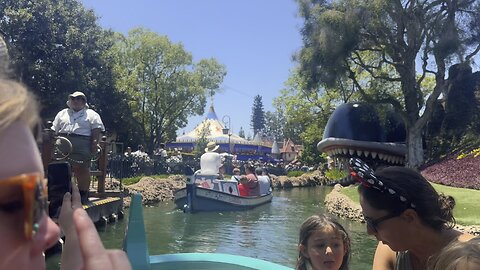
<point>82,126</point>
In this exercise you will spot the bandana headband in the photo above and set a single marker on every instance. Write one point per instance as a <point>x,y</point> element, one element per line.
<point>363,174</point>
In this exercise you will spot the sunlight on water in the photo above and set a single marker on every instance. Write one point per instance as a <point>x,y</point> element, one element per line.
<point>269,232</point>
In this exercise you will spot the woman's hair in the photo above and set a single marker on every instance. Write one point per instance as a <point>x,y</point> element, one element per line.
<point>16,103</point>
<point>455,255</point>
<point>435,210</point>
<point>250,168</point>
<point>320,222</point>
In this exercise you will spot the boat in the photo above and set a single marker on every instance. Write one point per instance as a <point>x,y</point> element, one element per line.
<point>136,247</point>
<point>205,193</point>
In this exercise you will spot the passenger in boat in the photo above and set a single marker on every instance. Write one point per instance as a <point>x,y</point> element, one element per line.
<point>236,175</point>
<point>263,181</point>
<point>408,217</point>
<point>458,255</point>
<point>26,231</point>
<point>210,161</point>
<point>82,127</point>
<point>253,186</point>
<point>323,244</point>
<point>242,186</point>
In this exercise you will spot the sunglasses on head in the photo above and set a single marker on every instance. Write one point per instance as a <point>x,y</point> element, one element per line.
<point>33,203</point>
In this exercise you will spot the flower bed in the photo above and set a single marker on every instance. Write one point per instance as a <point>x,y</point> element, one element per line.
<point>456,170</point>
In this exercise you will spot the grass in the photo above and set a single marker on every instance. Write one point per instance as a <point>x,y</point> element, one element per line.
<point>467,202</point>
<point>135,179</point>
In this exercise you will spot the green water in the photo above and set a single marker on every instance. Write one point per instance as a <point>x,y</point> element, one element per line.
<point>268,232</point>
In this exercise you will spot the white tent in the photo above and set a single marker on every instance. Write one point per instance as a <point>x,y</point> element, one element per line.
<point>214,133</point>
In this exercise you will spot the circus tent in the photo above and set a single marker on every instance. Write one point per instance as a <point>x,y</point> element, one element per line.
<point>243,148</point>
<point>215,131</point>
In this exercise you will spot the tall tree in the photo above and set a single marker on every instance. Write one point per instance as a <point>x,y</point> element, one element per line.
<point>241,133</point>
<point>395,34</point>
<point>56,48</point>
<point>274,125</point>
<point>258,115</point>
<point>165,86</point>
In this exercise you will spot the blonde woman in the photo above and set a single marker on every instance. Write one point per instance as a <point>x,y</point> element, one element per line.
<point>26,231</point>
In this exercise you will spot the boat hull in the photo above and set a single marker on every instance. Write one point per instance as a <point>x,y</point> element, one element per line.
<point>198,199</point>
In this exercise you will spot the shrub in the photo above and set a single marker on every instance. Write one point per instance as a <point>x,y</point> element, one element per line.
<point>335,174</point>
<point>295,173</point>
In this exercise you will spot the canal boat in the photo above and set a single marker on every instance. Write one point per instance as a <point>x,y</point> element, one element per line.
<point>136,247</point>
<point>205,193</point>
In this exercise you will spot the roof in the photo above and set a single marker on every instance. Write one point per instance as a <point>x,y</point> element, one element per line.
<point>215,131</point>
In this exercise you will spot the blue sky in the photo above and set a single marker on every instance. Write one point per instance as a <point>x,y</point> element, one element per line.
<point>254,39</point>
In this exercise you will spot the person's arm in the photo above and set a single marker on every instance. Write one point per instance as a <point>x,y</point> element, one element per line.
<point>95,138</point>
<point>384,258</point>
<point>83,247</point>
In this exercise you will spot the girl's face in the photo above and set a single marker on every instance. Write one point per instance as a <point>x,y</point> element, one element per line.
<point>325,249</point>
<point>21,156</point>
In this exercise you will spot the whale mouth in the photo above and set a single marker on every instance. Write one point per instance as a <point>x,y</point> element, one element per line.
<point>387,153</point>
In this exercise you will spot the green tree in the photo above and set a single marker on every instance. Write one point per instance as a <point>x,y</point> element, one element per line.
<point>274,125</point>
<point>202,141</point>
<point>241,133</point>
<point>57,47</point>
<point>306,114</point>
<point>164,86</point>
<point>394,34</point>
<point>258,115</point>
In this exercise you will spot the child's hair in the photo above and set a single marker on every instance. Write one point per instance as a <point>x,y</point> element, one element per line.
<point>320,222</point>
<point>457,254</point>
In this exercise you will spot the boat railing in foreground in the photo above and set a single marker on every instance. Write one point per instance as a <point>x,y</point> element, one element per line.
<point>136,247</point>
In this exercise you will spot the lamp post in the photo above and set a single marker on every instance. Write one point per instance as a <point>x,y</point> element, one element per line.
<point>226,130</point>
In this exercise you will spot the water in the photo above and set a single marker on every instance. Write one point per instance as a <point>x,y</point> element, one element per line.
<point>269,232</point>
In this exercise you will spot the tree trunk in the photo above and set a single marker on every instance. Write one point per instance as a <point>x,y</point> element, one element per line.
<point>414,147</point>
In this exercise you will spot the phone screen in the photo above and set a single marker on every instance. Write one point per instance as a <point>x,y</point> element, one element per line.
<point>59,183</point>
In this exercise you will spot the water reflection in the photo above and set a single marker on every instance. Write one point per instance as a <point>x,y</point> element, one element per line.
<point>269,232</point>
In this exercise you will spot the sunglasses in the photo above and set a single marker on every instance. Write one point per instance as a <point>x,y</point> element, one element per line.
<point>77,98</point>
<point>373,223</point>
<point>34,203</point>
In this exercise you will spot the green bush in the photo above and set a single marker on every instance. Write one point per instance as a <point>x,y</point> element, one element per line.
<point>294,173</point>
<point>335,174</point>
<point>135,179</point>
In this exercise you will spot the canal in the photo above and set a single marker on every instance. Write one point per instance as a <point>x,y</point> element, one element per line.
<point>269,232</point>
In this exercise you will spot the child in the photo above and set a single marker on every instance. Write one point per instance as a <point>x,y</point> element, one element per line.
<point>458,255</point>
<point>323,244</point>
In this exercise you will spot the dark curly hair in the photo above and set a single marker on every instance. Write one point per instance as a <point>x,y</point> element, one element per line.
<point>434,209</point>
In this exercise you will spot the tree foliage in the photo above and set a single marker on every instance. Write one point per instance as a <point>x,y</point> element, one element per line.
<point>56,48</point>
<point>241,133</point>
<point>274,125</point>
<point>258,115</point>
<point>162,82</point>
<point>385,38</point>
<point>306,113</point>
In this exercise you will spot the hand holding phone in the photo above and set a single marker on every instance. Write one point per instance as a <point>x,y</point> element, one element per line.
<point>59,183</point>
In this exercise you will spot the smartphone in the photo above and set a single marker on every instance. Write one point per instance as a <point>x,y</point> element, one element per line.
<point>59,183</point>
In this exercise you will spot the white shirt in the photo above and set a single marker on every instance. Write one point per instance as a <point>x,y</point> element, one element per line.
<point>80,123</point>
<point>264,182</point>
<point>210,163</point>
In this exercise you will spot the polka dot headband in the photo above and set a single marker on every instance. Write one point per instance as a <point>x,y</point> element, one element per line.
<point>363,174</point>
